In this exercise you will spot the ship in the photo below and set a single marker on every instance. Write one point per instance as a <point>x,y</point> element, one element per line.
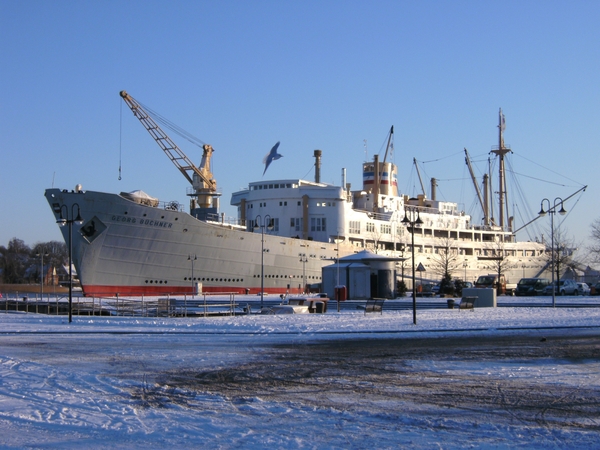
<point>285,232</point>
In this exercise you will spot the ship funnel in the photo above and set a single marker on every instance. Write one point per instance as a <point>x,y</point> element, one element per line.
<point>318,166</point>
<point>433,189</point>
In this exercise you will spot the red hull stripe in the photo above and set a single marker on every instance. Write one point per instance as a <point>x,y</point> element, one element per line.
<point>151,291</point>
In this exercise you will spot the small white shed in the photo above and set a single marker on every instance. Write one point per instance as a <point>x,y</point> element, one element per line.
<point>365,275</point>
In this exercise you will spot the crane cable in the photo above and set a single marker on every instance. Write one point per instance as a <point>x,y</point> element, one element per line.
<point>120,136</point>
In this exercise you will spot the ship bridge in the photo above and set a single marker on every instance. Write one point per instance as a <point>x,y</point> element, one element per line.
<point>297,208</point>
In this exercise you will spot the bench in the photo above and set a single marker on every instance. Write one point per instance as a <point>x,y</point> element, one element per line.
<point>374,305</point>
<point>467,303</point>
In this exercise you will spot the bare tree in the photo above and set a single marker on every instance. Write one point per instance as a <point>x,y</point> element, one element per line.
<point>499,262</point>
<point>445,262</point>
<point>374,232</point>
<point>561,256</point>
<point>594,248</point>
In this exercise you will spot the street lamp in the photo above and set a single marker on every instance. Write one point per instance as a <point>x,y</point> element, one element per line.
<point>402,256</point>
<point>257,224</point>
<point>551,211</point>
<point>465,265</point>
<point>415,219</point>
<point>62,221</point>
<point>303,260</point>
<point>41,253</point>
<point>193,258</point>
<point>523,266</point>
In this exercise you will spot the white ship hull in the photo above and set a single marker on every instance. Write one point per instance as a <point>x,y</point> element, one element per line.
<point>127,248</point>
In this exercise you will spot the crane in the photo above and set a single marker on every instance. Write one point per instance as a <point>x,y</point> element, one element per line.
<point>201,179</point>
<point>477,190</point>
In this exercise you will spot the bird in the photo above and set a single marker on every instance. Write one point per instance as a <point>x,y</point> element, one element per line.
<point>271,156</point>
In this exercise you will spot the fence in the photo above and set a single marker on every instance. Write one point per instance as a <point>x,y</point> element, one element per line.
<point>213,304</point>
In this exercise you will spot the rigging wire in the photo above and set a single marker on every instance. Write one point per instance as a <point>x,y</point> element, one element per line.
<point>309,171</point>
<point>441,159</point>
<point>173,127</point>
<point>550,170</point>
<point>120,137</point>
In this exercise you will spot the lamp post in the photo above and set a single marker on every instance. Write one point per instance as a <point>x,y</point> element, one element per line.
<point>193,258</point>
<point>551,211</point>
<point>402,256</point>
<point>41,253</point>
<point>415,219</point>
<point>523,267</point>
<point>268,222</point>
<point>62,221</point>
<point>303,260</point>
<point>465,265</point>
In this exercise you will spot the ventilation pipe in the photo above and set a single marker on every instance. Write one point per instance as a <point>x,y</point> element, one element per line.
<point>433,191</point>
<point>318,166</point>
<point>486,200</point>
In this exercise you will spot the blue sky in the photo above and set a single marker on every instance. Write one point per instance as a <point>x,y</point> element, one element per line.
<point>242,75</point>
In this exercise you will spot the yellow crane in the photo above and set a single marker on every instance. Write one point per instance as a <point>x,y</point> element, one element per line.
<point>201,178</point>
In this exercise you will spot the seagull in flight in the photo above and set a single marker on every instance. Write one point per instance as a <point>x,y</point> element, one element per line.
<point>271,156</point>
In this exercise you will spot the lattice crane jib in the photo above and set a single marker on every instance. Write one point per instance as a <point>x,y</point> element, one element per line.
<point>200,178</point>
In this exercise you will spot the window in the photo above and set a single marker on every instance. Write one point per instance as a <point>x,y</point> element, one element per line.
<point>318,224</point>
<point>354,227</point>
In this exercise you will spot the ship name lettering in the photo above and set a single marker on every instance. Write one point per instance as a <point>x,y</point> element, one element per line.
<point>124,219</point>
<point>148,222</point>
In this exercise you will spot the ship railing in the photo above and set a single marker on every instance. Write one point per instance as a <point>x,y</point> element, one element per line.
<point>172,206</point>
<point>230,222</point>
<point>190,191</point>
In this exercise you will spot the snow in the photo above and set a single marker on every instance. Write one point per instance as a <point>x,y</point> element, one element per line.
<point>124,382</point>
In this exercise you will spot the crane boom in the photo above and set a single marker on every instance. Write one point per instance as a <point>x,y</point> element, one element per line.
<point>477,190</point>
<point>200,178</point>
<point>419,175</point>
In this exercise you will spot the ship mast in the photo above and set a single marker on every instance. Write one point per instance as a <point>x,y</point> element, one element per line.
<point>500,152</point>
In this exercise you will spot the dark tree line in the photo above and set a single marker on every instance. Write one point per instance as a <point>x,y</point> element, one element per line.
<point>20,263</point>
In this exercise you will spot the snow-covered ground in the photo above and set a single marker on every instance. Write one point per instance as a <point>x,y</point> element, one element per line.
<point>521,377</point>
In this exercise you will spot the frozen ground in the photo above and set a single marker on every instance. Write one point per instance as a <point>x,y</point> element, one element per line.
<point>493,378</point>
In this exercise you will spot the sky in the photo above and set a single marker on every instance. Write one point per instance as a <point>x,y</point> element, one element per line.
<point>125,391</point>
<point>329,75</point>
